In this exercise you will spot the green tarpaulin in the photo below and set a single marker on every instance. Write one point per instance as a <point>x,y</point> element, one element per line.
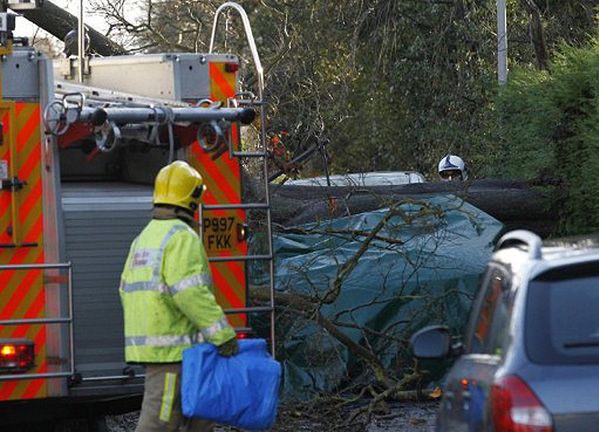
<point>422,268</point>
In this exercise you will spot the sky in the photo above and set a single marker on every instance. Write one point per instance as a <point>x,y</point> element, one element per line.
<point>25,28</point>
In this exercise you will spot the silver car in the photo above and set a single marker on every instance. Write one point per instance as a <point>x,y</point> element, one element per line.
<point>529,359</point>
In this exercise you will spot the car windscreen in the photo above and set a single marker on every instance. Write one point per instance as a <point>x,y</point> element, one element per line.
<point>562,316</point>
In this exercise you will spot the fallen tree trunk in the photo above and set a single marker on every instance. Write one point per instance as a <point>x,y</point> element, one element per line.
<point>59,22</point>
<point>517,204</point>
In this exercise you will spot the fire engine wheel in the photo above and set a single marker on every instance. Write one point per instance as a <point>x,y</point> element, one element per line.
<point>55,118</point>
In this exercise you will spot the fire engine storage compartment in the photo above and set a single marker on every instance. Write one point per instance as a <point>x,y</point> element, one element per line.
<point>163,76</point>
<point>106,201</point>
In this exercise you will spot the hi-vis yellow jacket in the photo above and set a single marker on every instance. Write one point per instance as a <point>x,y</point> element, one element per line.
<point>166,293</point>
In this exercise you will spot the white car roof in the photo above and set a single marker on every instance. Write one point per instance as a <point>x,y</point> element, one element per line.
<point>555,253</point>
<point>378,178</point>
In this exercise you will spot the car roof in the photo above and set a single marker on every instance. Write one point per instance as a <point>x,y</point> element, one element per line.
<point>553,253</point>
<point>571,246</point>
<point>376,178</point>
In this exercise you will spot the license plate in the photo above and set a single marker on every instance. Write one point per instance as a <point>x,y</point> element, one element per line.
<point>220,233</point>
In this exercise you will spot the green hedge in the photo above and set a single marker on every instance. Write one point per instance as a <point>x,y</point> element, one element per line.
<point>549,127</point>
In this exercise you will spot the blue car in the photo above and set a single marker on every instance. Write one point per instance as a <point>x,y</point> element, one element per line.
<point>529,359</point>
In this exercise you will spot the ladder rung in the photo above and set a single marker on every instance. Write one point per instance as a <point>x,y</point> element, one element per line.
<point>40,266</point>
<point>28,321</point>
<point>35,376</point>
<point>242,258</point>
<point>248,206</point>
<point>255,154</point>
<point>250,102</point>
<point>257,309</point>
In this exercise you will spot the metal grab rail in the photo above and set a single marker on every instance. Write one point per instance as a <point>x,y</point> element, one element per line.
<point>45,321</point>
<point>250,37</point>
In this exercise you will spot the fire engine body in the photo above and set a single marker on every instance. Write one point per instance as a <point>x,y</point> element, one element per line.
<point>77,164</point>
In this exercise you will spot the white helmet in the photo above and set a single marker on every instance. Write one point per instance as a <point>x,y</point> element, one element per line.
<point>452,167</point>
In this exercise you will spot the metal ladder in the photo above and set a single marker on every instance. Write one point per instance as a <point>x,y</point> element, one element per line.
<point>68,320</point>
<point>254,101</point>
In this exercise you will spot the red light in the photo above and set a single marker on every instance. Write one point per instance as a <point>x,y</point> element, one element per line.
<point>243,335</point>
<point>515,408</point>
<point>231,67</point>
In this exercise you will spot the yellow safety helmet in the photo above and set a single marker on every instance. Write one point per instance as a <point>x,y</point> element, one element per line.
<point>180,185</point>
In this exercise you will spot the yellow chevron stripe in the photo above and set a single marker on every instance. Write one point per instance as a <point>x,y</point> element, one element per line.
<point>222,178</point>
<point>238,289</point>
<point>30,153</point>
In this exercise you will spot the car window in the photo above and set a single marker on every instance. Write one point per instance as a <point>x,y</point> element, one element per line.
<point>562,316</point>
<point>490,319</point>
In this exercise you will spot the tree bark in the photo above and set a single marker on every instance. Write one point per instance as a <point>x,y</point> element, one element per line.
<point>537,35</point>
<point>517,204</point>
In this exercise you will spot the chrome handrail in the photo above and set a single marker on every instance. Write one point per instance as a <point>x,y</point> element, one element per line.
<point>250,37</point>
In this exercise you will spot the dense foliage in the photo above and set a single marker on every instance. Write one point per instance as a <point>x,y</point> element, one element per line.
<point>395,85</point>
<point>551,128</point>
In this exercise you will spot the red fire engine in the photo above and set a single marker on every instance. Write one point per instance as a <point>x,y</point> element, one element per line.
<point>80,144</point>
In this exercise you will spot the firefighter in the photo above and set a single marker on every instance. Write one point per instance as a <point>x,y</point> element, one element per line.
<point>167,298</point>
<point>452,168</point>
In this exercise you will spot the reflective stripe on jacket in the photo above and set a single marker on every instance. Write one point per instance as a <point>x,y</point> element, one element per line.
<point>167,297</point>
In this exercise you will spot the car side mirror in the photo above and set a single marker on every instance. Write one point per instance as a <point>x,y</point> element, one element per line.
<point>432,342</point>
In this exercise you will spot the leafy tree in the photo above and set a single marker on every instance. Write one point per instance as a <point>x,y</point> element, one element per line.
<point>386,84</point>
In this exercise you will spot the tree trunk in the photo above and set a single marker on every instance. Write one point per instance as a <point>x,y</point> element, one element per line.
<point>59,22</point>
<point>537,35</point>
<point>516,204</point>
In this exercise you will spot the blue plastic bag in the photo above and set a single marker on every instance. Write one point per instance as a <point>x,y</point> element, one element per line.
<point>241,391</point>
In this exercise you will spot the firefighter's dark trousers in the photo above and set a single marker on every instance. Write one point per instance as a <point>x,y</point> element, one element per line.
<point>161,407</point>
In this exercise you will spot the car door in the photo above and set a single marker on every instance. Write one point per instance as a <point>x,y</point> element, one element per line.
<point>487,336</point>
